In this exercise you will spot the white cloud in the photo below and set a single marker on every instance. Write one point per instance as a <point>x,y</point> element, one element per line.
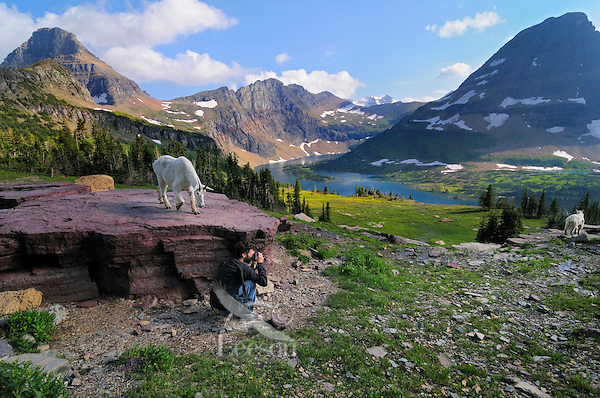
<point>341,84</point>
<point>459,69</point>
<point>458,27</point>
<point>15,29</point>
<point>282,58</point>
<point>158,23</point>
<point>190,68</point>
<point>437,94</point>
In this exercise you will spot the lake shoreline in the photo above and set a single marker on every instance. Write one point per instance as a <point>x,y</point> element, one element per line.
<point>344,183</point>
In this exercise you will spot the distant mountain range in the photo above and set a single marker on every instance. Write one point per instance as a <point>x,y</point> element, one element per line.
<point>265,121</point>
<point>537,96</point>
<point>373,100</point>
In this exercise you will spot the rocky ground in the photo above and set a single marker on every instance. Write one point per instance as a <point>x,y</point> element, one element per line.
<point>94,336</point>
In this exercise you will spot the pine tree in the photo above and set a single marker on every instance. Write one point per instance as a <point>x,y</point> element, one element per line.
<point>541,210</point>
<point>584,203</point>
<point>486,200</point>
<point>296,205</point>
<point>524,202</point>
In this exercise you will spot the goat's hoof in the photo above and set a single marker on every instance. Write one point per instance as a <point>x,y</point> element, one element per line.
<point>167,206</point>
<point>179,205</point>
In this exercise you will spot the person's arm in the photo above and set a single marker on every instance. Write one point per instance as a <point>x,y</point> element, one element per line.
<point>258,276</point>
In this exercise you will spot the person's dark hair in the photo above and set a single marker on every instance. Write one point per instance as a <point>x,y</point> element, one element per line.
<point>240,248</point>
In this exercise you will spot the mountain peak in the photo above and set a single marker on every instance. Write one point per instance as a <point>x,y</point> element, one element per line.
<point>104,83</point>
<point>44,43</point>
<point>539,92</point>
<point>374,100</point>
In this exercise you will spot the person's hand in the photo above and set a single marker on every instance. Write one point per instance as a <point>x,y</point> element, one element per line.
<point>259,257</point>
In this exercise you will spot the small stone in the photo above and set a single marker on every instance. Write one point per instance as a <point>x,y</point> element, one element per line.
<point>144,323</point>
<point>459,318</point>
<point>444,361</point>
<point>377,351</point>
<point>541,358</point>
<point>76,382</point>
<point>533,297</point>
<point>88,304</point>
<point>328,386</point>
<point>390,330</point>
<point>189,302</point>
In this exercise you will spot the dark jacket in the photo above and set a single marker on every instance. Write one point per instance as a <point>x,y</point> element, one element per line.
<point>233,273</point>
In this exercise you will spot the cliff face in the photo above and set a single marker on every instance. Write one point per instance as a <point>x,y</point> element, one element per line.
<point>261,116</point>
<point>46,76</point>
<point>104,83</point>
<point>72,244</point>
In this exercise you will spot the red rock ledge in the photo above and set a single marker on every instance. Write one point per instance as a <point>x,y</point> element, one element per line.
<point>73,244</point>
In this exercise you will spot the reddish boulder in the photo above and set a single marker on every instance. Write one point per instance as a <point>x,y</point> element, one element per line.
<point>73,245</point>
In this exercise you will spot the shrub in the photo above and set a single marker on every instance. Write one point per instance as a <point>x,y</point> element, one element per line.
<point>21,379</point>
<point>148,359</point>
<point>39,324</point>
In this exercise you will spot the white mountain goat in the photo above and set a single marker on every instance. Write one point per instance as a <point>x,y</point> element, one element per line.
<point>180,175</point>
<point>574,223</point>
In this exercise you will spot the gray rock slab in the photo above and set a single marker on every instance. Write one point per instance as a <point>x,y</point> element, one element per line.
<point>47,361</point>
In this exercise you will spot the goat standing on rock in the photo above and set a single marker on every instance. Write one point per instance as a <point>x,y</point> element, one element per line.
<point>574,223</point>
<point>180,175</point>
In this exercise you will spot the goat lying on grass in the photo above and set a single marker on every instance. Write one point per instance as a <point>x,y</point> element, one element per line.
<point>180,175</point>
<point>574,223</point>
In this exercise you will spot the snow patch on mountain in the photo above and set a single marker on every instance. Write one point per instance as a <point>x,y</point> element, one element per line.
<point>462,100</point>
<point>199,113</point>
<point>101,99</point>
<point>207,104</point>
<point>555,129</point>
<point>497,61</point>
<point>152,121</point>
<point>496,119</point>
<point>509,101</point>
<point>578,100</point>
<point>563,154</point>
<point>594,128</point>
<point>492,73</point>
<point>435,123</point>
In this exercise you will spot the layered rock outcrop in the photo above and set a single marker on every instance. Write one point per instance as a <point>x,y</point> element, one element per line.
<point>73,244</point>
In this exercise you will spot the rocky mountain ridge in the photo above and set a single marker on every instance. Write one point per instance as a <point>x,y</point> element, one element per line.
<point>261,122</point>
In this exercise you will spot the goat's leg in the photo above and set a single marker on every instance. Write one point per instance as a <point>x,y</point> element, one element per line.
<point>164,192</point>
<point>193,202</point>
<point>178,198</point>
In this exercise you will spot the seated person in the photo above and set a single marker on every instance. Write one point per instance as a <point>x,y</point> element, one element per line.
<point>239,275</point>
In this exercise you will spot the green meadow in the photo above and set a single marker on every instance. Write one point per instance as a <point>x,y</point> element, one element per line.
<point>425,222</point>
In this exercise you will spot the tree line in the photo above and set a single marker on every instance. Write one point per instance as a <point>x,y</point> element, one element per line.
<point>505,219</point>
<point>80,152</point>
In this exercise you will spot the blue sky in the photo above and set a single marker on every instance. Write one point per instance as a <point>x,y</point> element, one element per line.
<point>411,50</point>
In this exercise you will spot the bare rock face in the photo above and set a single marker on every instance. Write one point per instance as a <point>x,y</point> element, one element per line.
<point>97,182</point>
<point>15,301</point>
<point>74,245</point>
